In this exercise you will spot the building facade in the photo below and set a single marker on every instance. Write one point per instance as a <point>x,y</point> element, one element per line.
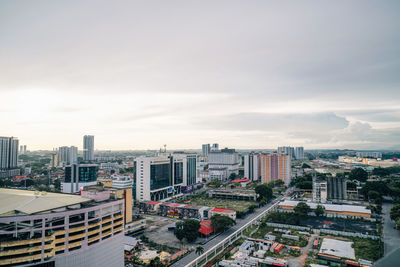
<point>320,191</point>
<point>49,229</point>
<point>159,177</point>
<point>9,157</point>
<point>299,153</point>
<point>205,149</point>
<point>76,176</point>
<point>190,159</point>
<point>336,188</point>
<point>88,148</point>
<point>252,166</point>
<point>67,155</point>
<point>276,166</point>
<point>286,150</point>
<point>222,163</point>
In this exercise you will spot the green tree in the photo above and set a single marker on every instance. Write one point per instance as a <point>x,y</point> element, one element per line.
<point>199,250</point>
<point>320,210</point>
<point>306,166</point>
<point>232,176</point>
<point>302,209</point>
<point>395,212</point>
<point>156,262</point>
<point>221,223</point>
<point>351,185</point>
<point>191,228</point>
<point>179,231</point>
<point>264,191</point>
<point>372,195</point>
<point>358,174</point>
<point>188,229</point>
<point>57,184</point>
<point>252,208</point>
<point>398,224</point>
<point>382,172</point>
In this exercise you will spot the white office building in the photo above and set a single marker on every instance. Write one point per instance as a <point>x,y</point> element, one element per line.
<point>121,181</point>
<point>159,178</point>
<point>67,155</point>
<point>222,163</point>
<point>88,148</point>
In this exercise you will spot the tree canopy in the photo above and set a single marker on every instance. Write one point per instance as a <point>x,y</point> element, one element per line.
<point>264,191</point>
<point>319,210</point>
<point>188,229</point>
<point>221,223</point>
<point>395,212</point>
<point>358,174</point>
<point>302,209</point>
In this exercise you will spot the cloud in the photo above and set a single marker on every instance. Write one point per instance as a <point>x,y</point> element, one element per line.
<point>253,121</point>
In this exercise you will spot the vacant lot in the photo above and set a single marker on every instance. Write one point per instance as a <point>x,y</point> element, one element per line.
<point>237,205</point>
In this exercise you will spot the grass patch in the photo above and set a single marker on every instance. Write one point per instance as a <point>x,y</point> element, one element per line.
<point>238,205</point>
<point>264,229</point>
<point>368,249</point>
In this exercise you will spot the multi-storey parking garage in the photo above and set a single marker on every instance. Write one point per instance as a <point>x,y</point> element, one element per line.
<point>48,229</point>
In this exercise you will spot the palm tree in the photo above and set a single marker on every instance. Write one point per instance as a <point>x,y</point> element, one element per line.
<point>199,250</point>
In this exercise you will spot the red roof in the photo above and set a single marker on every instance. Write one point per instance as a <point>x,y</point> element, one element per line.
<point>153,202</point>
<point>206,227</point>
<point>240,180</point>
<point>223,210</point>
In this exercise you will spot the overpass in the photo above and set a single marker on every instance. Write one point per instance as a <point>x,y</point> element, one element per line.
<point>220,243</point>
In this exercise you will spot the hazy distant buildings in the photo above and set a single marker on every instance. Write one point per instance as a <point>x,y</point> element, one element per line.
<point>295,152</point>
<point>252,166</point>
<point>205,149</point>
<point>88,148</point>
<point>369,155</point>
<point>8,157</point>
<point>67,155</point>
<point>22,149</point>
<point>215,147</point>
<point>299,153</point>
<point>54,160</point>
<point>336,188</point>
<point>276,166</point>
<point>222,163</point>
<point>77,176</point>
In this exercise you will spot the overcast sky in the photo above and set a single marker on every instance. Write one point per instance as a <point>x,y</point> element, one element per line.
<point>245,74</point>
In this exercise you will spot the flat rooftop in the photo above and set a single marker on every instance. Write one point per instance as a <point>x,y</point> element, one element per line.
<point>329,207</point>
<point>337,248</point>
<point>15,201</point>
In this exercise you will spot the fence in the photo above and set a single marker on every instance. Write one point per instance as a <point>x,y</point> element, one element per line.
<point>333,232</point>
<point>303,228</point>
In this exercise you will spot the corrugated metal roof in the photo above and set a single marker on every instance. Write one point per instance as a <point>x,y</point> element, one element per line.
<point>329,207</point>
<point>15,201</point>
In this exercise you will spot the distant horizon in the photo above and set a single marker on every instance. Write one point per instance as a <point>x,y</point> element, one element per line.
<point>199,149</point>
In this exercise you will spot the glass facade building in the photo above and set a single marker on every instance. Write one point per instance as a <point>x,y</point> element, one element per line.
<point>159,176</point>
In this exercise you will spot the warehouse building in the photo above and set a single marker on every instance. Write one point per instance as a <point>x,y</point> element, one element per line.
<point>332,210</point>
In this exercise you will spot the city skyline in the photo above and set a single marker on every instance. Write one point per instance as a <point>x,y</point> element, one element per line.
<point>138,75</point>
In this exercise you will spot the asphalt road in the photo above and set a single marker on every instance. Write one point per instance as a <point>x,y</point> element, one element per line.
<point>239,223</point>
<point>391,236</point>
